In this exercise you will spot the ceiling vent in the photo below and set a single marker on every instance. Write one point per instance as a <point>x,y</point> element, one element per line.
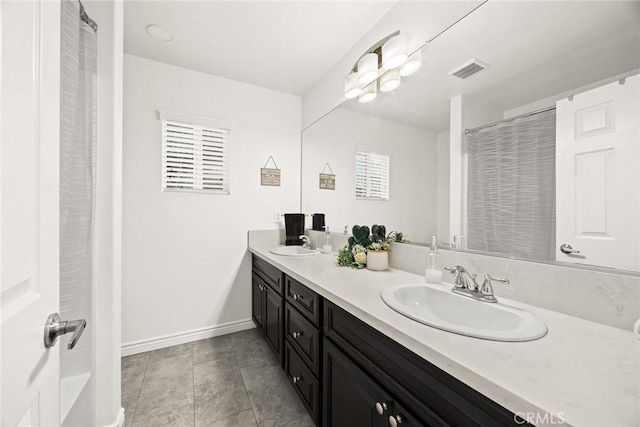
<point>468,69</point>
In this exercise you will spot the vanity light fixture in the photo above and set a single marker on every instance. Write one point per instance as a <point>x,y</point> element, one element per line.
<point>367,68</point>
<point>394,52</point>
<point>352,88</point>
<point>413,64</point>
<point>390,80</point>
<point>369,92</point>
<point>382,67</point>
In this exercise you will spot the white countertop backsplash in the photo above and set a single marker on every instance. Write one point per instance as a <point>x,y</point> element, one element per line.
<point>583,372</point>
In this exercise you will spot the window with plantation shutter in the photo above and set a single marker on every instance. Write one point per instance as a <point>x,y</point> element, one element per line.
<point>372,174</point>
<point>194,157</point>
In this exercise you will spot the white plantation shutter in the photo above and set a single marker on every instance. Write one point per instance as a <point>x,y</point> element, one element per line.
<point>372,175</point>
<point>194,158</point>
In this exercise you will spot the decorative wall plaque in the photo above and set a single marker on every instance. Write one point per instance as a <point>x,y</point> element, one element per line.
<point>327,180</point>
<point>270,176</point>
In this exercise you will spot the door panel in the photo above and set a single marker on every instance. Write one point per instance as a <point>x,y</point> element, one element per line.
<point>29,281</point>
<point>350,396</point>
<point>273,320</point>
<point>598,176</point>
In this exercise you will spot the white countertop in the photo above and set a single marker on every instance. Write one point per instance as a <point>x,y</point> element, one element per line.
<point>581,372</point>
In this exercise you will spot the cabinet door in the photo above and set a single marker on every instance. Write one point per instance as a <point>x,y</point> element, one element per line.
<point>273,320</point>
<point>350,396</point>
<point>256,300</point>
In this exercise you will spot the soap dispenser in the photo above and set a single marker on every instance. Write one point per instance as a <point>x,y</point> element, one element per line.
<point>327,249</point>
<point>433,273</point>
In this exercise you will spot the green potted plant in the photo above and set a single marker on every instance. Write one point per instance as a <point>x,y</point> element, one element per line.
<point>366,248</point>
<point>378,249</point>
<point>354,254</point>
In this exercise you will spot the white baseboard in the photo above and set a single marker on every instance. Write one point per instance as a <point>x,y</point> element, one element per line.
<point>119,419</point>
<point>150,344</point>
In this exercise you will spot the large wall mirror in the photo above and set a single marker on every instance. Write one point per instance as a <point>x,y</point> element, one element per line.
<point>536,157</point>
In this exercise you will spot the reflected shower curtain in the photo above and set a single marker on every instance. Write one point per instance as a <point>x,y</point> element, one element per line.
<point>78,70</point>
<point>511,189</point>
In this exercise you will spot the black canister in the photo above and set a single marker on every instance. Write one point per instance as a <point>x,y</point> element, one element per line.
<point>318,221</point>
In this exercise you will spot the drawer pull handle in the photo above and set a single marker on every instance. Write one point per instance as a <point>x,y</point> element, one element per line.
<point>381,407</point>
<point>296,297</point>
<point>296,379</point>
<point>295,334</point>
<point>394,421</point>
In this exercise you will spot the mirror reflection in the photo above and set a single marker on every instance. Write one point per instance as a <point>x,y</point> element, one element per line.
<point>536,156</point>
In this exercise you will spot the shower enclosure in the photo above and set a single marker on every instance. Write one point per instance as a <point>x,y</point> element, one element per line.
<point>78,124</point>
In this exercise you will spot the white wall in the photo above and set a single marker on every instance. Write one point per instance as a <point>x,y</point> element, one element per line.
<point>411,207</point>
<point>108,220</point>
<point>185,265</point>
<point>443,231</point>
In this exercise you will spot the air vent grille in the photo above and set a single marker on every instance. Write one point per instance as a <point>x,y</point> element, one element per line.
<point>468,69</point>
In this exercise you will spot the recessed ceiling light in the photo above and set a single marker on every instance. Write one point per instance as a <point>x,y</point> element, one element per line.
<point>158,32</point>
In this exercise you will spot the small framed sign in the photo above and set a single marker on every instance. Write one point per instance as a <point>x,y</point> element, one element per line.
<point>270,176</point>
<point>327,180</point>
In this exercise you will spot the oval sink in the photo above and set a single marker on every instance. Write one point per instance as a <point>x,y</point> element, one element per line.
<point>437,306</point>
<point>295,251</point>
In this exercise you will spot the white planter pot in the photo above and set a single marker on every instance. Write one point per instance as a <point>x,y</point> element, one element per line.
<point>378,260</point>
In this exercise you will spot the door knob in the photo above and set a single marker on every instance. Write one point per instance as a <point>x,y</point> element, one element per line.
<point>395,421</point>
<point>567,249</point>
<point>54,328</point>
<point>381,407</point>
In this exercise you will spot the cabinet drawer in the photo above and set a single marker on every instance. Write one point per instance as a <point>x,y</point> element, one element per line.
<point>304,299</point>
<point>269,273</point>
<point>304,337</point>
<point>304,382</point>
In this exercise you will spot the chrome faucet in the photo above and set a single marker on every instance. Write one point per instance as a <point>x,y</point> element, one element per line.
<point>307,243</point>
<point>465,284</point>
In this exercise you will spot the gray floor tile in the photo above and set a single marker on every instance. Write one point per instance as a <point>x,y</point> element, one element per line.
<point>168,385</point>
<point>305,421</point>
<point>132,374</point>
<point>219,390</point>
<point>251,349</point>
<point>212,349</point>
<point>243,419</point>
<point>273,400</point>
<point>168,352</point>
<point>180,417</point>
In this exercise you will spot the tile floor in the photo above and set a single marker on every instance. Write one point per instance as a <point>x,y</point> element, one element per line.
<point>232,380</point>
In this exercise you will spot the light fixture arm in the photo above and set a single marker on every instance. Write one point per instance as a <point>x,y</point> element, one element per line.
<point>377,49</point>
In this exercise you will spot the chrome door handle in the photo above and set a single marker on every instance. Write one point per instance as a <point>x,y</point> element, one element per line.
<point>295,334</point>
<point>567,249</point>
<point>54,328</point>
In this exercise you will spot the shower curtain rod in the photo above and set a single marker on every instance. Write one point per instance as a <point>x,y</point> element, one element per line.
<point>85,18</point>
<point>553,107</point>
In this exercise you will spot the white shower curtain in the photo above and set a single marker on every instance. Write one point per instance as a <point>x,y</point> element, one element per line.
<point>77,164</point>
<point>511,189</point>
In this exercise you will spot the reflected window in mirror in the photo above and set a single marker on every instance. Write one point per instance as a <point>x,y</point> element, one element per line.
<point>372,173</point>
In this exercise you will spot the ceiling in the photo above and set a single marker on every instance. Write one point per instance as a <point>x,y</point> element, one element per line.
<point>535,50</point>
<point>281,45</point>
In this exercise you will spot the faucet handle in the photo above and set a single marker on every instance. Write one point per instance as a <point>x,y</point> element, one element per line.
<point>457,271</point>
<point>487,288</point>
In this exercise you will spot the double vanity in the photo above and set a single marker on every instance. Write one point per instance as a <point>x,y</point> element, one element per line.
<point>376,348</point>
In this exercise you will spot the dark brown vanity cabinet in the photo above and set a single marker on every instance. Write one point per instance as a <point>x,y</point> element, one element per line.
<point>349,374</point>
<point>268,307</point>
<point>417,392</point>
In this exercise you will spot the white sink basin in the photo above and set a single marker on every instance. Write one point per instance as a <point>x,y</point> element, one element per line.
<point>437,306</point>
<point>295,251</point>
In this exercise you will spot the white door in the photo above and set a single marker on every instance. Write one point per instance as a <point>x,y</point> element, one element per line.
<point>598,176</point>
<point>29,281</point>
